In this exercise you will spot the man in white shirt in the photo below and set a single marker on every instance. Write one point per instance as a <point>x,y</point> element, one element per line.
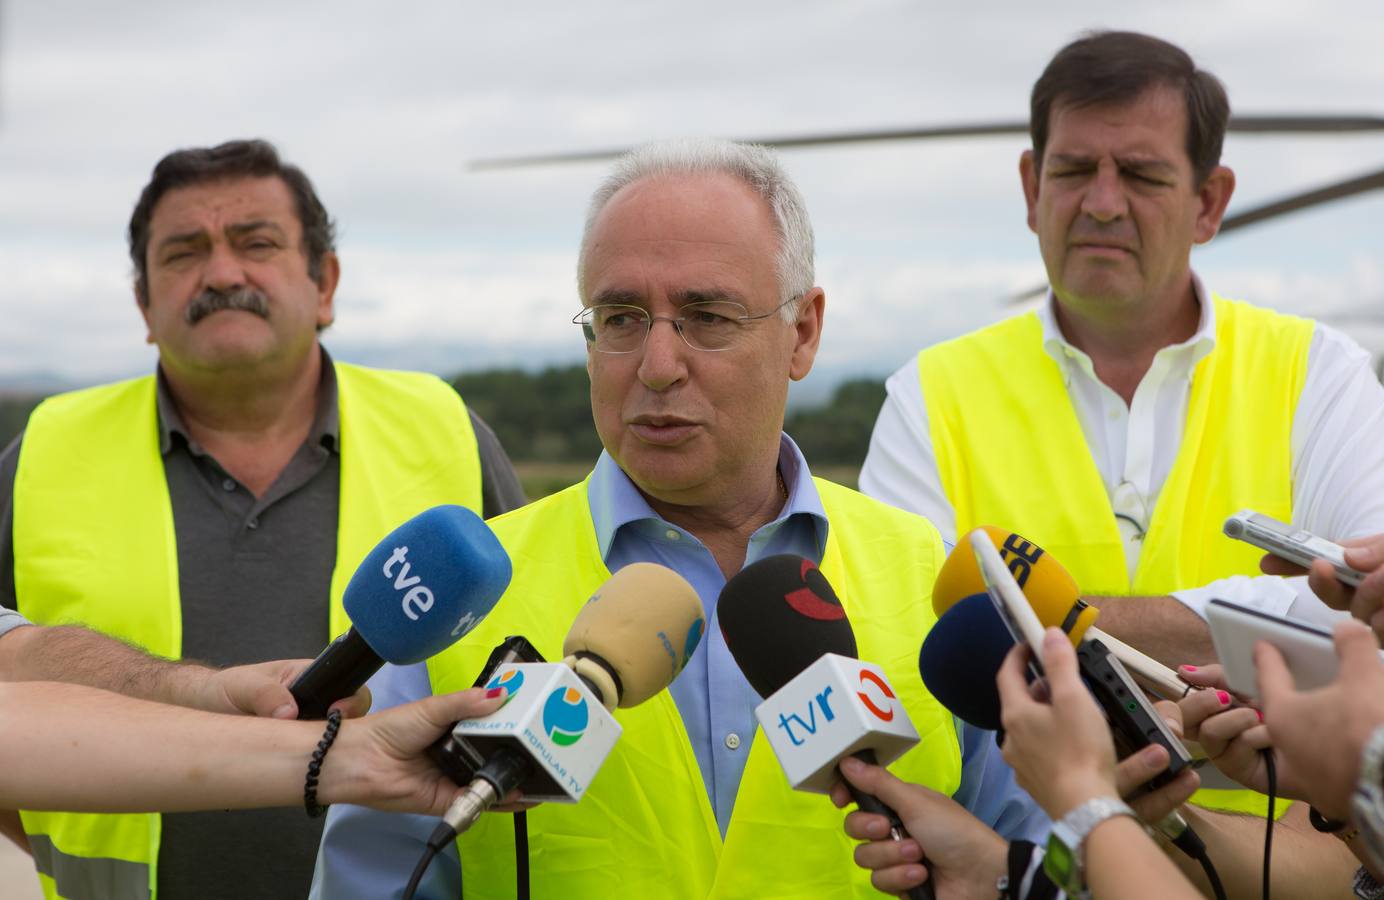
<point>1124,420</point>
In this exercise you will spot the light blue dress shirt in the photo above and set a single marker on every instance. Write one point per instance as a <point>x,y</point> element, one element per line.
<point>368,855</point>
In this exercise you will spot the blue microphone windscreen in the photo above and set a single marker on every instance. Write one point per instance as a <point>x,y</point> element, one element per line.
<point>960,657</point>
<point>428,583</point>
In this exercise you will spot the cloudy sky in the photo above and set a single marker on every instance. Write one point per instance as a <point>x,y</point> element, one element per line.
<point>448,269</point>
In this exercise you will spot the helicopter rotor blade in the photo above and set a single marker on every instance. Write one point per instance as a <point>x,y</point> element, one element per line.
<point>1338,190</point>
<point>1246,124</point>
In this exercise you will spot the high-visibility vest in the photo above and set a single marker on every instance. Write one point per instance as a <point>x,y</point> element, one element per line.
<point>645,827</point>
<point>94,544</point>
<point>1011,452</point>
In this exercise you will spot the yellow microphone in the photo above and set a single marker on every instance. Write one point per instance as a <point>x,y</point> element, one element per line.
<point>1054,596</point>
<point>1049,587</point>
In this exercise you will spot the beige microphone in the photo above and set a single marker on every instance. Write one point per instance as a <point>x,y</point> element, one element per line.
<point>635,634</point>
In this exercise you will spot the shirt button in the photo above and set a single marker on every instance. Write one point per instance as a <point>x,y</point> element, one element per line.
<point>253,523</point>
<point>1114,415</point>
<point>732,741</point>
<point>228,484</point>
<point>672,534</point>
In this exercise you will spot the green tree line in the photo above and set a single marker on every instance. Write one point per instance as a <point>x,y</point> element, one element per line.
<point>543,419</point>
<point>546,416</point>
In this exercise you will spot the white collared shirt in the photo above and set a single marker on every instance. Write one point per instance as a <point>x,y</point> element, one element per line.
<point>1337,449</point>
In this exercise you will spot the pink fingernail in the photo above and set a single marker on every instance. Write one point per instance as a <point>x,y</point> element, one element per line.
<point>1259,714</point>
<point>495,692</point>
<point>1189,668</point>
<point>1223,697</point>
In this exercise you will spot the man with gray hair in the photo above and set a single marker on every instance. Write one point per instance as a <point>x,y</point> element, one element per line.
<point>698,308</point>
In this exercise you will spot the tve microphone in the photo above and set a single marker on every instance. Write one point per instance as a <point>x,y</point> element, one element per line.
<point>422,588</point>
<point>1054,596</point>
<point>629,641</point>
<point>790,636</point>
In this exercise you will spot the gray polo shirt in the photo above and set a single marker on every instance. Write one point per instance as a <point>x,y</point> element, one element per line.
<point>253,576</point>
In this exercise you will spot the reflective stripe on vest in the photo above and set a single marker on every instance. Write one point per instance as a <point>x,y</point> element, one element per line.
<point>646,827</point>
<point>94,542</point>
<point>1011,452</point>
<point>62,875</point>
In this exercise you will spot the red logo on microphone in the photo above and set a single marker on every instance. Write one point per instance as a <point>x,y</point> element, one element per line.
<point>870,678</point>
<point>805,601</point>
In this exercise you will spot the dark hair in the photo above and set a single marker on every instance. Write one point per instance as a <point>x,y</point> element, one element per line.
<point>233,159</point>
<point>1119,66</point>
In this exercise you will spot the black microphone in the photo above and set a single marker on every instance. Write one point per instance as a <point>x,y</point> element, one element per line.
<point>423,587</point>
<point>779,617</point>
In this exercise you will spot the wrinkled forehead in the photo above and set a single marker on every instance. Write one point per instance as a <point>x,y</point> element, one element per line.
<point>668,236</point>
<point>220,204</point>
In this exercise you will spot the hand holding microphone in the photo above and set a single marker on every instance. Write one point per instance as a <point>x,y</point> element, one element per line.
<point>423,587</point>
<point>787,631</point>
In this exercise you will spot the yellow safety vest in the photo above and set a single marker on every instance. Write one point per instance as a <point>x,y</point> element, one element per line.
<point>94,545</point>
<point>1011,452</point>
<point>645,828</point>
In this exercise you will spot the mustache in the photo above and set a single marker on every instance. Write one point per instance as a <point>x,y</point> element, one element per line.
<point>211,300</point>
<point>1118,232</point>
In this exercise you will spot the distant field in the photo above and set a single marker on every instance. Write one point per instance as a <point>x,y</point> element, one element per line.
<point>543,478</point>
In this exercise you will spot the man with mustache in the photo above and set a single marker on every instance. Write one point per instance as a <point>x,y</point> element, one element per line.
<point>698,307</point>
<point>216,509</point>
<point>1121,423</point>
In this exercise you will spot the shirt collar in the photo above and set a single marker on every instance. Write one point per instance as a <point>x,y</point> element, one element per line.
<point>326,424</point>
<point>616,502</point>
<point>1194,349</point>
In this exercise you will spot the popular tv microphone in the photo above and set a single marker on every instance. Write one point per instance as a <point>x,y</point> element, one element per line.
<point>629,641</point>
<point>428,583</point>
<point>1054,596</point>
<point>786,628</point>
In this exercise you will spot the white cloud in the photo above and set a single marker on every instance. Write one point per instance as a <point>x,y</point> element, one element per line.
<point>384,105</point>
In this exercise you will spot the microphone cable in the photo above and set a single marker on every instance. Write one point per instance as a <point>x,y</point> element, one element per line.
<point>1190,843</point>
<point>441,836</point>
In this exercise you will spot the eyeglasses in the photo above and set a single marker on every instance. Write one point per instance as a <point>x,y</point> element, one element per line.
<point>704,325</point>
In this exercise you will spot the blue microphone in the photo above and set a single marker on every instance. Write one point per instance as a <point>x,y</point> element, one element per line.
<point>960,656</point>
<point>428,583</point>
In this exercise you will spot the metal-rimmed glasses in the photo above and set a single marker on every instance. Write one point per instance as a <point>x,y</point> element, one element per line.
<point>709,325</point>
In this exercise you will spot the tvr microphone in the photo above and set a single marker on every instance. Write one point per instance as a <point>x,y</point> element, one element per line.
<point>788,632</point>
<point>423,587</point>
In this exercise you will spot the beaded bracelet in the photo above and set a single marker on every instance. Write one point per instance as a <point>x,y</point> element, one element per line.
<point>315,809</point>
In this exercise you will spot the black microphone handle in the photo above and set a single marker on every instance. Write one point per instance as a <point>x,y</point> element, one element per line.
<point>871,804</point>
<point>337,673</point>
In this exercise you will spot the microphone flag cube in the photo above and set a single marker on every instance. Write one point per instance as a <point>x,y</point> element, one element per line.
<point>553,718</point>
<point>835,707</point>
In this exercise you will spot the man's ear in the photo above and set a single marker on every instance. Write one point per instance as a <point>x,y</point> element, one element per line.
<point>1028,174</point>
<point>326,289</point>
<point>1214,194</point>
<point>807,333</point>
